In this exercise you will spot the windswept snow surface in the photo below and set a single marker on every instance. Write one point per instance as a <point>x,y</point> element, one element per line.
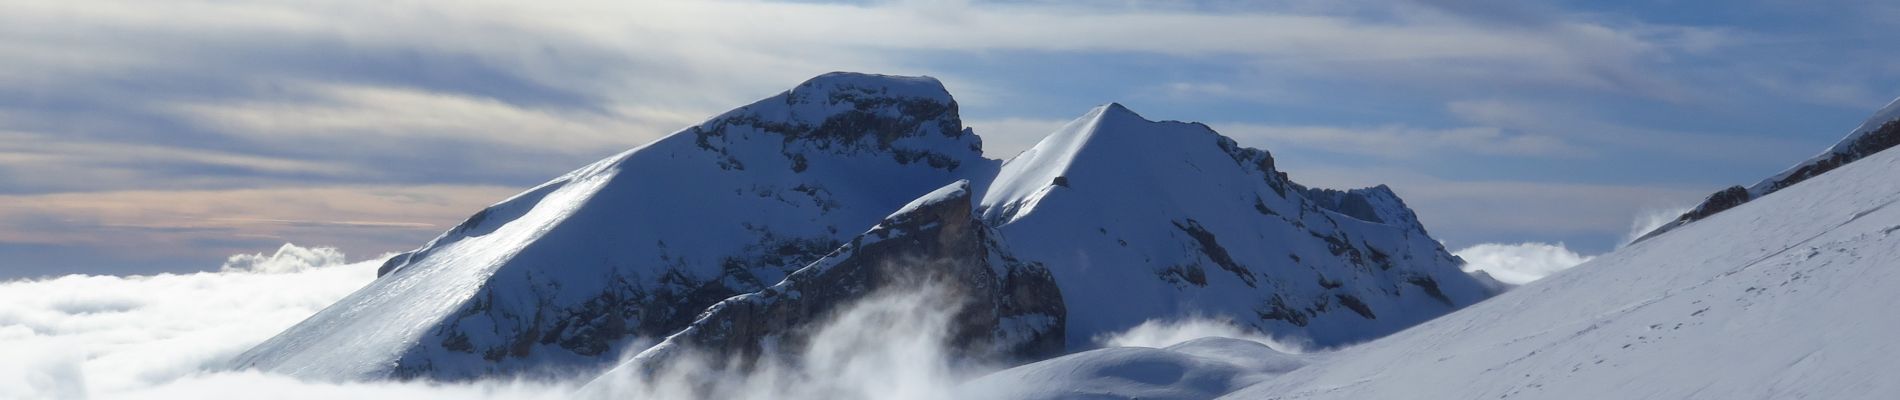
<point>1141,220</point>
<point>1789,296</point>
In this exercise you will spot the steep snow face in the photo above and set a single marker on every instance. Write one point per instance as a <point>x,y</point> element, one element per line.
<point>1203,368</point>
<point>1140,220</point>
<point>565,275</point>
<point>1879,132</point>
<point>1787,296</point>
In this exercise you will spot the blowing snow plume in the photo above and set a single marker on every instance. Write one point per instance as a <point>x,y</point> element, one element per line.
<point>893,344</point>
<point>170,336</point>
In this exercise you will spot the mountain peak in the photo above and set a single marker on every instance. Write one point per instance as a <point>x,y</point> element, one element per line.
<point>1183,218</point>
<point>1118,109</point>
<point>836,86</point>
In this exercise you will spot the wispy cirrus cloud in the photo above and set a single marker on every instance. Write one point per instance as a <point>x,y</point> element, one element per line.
<point>115,96</point>
<point>123,232</point>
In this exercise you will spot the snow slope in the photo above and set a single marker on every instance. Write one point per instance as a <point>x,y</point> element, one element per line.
<point>1878,132</point>
<point>567,274</point>
<point>1788,296</point>
<point>1141,220</point>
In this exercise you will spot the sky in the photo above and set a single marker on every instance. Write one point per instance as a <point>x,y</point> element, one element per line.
<point>140,137</point>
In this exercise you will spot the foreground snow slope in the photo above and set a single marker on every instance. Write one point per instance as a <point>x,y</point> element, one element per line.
<point>1788,296</point>
<point>1141,220</point>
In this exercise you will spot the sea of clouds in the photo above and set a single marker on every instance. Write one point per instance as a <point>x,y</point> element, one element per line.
<point>169,336</point>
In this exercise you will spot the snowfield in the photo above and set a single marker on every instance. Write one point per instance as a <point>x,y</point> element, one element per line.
<point>1787,296</point>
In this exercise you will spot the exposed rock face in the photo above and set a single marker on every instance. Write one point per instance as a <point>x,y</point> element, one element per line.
<point>1880,132</point>
<point>1006,309</point>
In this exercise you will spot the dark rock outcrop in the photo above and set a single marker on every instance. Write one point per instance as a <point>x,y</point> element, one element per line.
<point>1874,136</point>
<point>1005,309</point>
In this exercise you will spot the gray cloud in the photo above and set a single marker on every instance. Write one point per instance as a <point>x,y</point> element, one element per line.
<point>120,96</point>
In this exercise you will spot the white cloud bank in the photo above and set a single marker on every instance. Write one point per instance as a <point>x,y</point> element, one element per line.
<point>1519,263</point>
<point>168,337</point>
<point>86,336</point>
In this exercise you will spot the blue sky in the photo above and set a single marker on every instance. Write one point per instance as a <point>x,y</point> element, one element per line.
<point>138,137</point>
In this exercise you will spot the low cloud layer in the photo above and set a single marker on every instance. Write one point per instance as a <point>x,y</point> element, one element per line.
<point>168,336</point>
<point>89,336</point>
<point>1519,263</point>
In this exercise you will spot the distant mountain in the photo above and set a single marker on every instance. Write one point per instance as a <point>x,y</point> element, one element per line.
<point>1141,220</point>
<point>750,226</point>
<point>1789,295</point>
<point>1879,132</point>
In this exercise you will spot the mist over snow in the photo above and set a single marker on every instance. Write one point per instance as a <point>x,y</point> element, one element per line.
<point>1519,263</point>
<point>1649,219</point>
<point>890,345</point>
<point>1162,334</point>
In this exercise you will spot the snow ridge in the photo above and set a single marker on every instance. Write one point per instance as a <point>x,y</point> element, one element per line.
<point>1879,132</point>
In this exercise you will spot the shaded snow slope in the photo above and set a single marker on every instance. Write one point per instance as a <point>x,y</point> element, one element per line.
<point>567,274</point>
<point>1879,132</point>
<point>1203,368</point>
<point>1787,296</point>
<point>1141,220</point>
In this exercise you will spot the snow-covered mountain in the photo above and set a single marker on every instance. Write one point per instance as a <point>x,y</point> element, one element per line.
<point>1786,296</point>
<point>637,245</point>
<point>1879,132</point>
<point>1130,219</point>
<point>1143,220</point>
